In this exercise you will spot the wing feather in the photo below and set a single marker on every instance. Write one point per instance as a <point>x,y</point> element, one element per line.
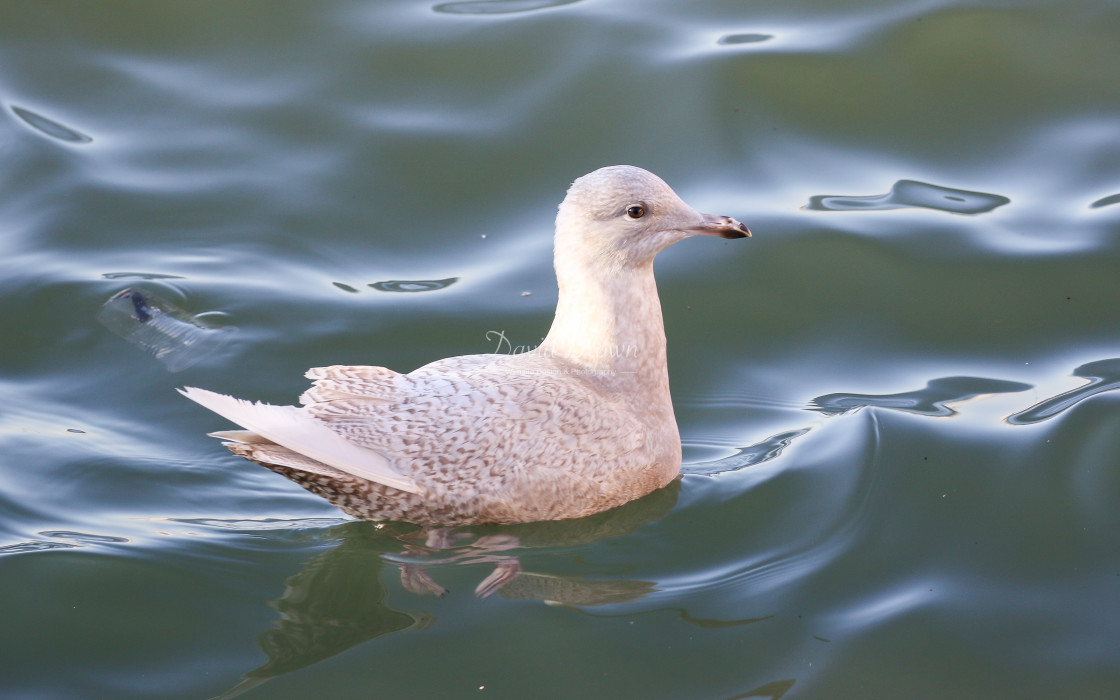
<point>295,429</point>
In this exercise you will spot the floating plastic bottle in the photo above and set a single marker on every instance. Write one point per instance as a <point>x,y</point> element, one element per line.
<point>158,327</point>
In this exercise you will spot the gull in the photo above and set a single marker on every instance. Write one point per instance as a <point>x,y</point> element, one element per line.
<point>580,424</point>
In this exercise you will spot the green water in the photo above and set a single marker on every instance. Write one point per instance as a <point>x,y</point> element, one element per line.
<point>902,441</point>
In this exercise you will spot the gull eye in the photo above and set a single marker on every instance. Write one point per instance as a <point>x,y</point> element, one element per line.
<point>636,212</point>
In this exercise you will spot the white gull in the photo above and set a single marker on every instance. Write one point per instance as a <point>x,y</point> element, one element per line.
<point>580,424</point>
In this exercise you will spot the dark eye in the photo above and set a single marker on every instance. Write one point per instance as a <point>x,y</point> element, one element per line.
<point>636,212</point>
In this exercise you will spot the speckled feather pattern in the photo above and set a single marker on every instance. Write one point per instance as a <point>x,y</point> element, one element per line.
<point>496,439</point>
<point>579,425</point>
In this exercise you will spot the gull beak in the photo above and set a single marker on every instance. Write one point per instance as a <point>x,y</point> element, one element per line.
<point>722,226</point>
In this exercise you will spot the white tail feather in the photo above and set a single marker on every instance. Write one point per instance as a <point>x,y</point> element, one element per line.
<point>291,427</point>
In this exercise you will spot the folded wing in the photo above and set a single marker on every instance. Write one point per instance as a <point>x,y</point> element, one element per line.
<point>299,431</point>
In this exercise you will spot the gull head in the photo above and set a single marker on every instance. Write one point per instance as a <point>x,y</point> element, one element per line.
<point>623,216</point>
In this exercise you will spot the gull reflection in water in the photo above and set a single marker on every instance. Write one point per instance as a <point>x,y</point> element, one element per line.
<point>338,600</point>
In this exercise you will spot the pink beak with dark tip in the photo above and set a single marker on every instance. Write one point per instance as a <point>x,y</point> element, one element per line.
<point>722,226</point>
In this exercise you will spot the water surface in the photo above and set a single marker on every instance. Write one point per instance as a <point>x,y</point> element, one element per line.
<point>897,400</point>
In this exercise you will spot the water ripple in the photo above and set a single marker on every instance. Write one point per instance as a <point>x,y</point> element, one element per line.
<point>50,127</point>
<point>1105,201</point>
<point>83,537</point>
<point>911,194</point>
<point>71,541</point>
<point>878,608</point>
<point>760,452</point>
<point>933,400</point>
<point>34,546</point>
<point>1103,375</point>
<point>498,7</point>
<point>734,39</point>
<point>250,525</point>
<point>139,275</point>
<point>411,285</point>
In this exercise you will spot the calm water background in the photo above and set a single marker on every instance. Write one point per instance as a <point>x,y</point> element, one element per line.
<point>901,435</point>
